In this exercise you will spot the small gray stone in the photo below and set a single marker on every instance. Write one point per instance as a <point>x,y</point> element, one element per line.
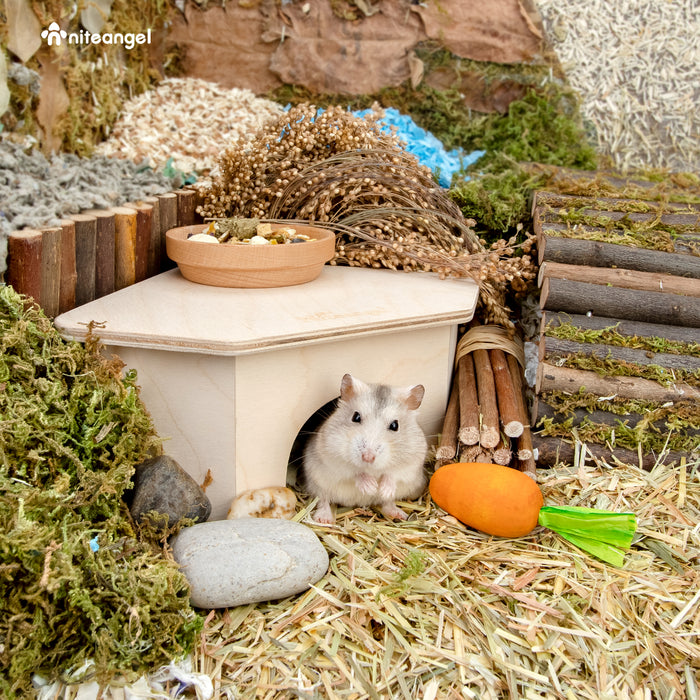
<point>161,484</point>
<point>248,560</point>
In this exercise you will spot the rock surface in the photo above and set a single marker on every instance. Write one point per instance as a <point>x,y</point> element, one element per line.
<point>161,484</point>
<point>249,560</point>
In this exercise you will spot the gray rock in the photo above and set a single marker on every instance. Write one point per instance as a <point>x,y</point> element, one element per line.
<point>248,560</point>
<point>161,484</point>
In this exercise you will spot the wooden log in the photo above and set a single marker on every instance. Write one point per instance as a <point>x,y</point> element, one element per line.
<point>626,279</point>
<point>104,257</point>
<point>547,215</point>
<point>24,262</point>
<point>51,270</point>
<point>85,257</point>
<point>681,334</point>
<point>630,304</point>
<point>468,401</point>
<point>186,203</point>
<point>553,378</point>
<point>489,434</point>
<point>578,251</point>
<point>601,417</point>
<point>69,274</point>
<point>154,251</point>
<point>553,348</point>
<point>144,216</point>
<point>447,449</point>
<point>554,450</point>
<point>555,200</point>
<point>125,247</point>
<point>526,459</point>
<point>167,204</point>
<point>505,394</point>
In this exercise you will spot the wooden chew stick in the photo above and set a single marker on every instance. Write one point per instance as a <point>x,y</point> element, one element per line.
<point>167,204</point>
<point>104,258</point>
<point>468,401</point>
<point>505,394</point>
<point>125,246</point>
<point>501,453</point>
<point>85,257</point>
<point>489,434</point>
<point>24,262</point>
<point>51,270</point>
<point>526,454</point>
<point>447,449</point>
<point>69,275</point>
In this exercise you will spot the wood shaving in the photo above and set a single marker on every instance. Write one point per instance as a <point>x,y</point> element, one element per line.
<point>636,66</point>
<point>189,120</point>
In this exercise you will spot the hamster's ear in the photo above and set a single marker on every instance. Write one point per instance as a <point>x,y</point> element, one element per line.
<point>347,387</point>
<point>350,386</point>
<point>414,397</point>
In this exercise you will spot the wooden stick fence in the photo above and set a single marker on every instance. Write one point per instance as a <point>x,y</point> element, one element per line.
<point>96,252</point>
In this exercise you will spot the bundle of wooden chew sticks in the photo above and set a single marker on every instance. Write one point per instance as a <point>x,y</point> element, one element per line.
<point>486,418</point>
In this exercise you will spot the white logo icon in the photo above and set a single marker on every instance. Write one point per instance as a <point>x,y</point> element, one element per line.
<point>54,33</point>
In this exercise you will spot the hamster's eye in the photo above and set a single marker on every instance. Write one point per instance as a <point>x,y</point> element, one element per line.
<point>356,417</point>
<point>394,425</point>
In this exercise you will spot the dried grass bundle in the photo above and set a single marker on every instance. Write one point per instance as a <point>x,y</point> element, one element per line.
<point>429,608</point>
<point>340,170</point>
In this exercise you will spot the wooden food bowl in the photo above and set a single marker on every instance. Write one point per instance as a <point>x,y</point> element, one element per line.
<point>231,265</point>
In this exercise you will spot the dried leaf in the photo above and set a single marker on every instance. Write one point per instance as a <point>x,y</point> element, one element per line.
<point>53,102</point>
<point>415,65</point>
<point>23,29</point>
<point>95,14</point>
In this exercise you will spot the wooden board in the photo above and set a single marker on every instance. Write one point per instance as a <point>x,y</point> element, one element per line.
<point>169,312</point>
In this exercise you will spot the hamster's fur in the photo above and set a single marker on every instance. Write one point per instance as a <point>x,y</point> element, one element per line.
<point>369,451</point>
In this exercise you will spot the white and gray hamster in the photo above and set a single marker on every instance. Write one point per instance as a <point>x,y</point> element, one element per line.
<point>369,451</point>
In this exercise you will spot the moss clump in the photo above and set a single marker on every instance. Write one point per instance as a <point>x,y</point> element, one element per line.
<point>545,128</point>
<point>76,582</point>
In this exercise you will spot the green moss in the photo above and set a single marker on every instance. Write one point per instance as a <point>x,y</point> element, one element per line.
<point>648,437</point>
<point>77,583</point>
<point>609,367</point>
<point>610,336</point>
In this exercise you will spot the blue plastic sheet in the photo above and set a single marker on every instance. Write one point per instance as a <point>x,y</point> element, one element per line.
<point>428,149</point>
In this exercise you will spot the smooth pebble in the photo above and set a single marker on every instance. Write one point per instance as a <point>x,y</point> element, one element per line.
<point>248,560</point>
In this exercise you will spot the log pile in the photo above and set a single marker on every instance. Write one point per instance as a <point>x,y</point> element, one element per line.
<point>486,418</point>
<point>619,342</point>
<point>96,252</point>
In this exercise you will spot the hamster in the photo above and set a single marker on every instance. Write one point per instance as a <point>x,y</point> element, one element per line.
<point>369,451</point>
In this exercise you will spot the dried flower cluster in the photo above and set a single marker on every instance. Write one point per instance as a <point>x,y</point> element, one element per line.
<point>340,170</point>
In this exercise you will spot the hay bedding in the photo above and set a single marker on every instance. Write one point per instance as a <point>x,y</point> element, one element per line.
<point>431,609</point>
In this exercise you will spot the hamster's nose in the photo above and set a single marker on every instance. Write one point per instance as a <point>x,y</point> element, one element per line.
<point>368,455</point>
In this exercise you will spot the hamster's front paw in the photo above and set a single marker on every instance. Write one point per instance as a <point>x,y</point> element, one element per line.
<point>387,487</point>
<point>366,483</point>
<point>391,511</point>
<point>324,514</point>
